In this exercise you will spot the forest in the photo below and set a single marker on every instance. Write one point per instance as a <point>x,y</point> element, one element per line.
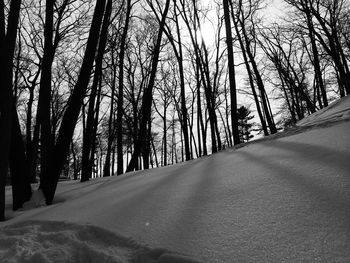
<point>99,88</point>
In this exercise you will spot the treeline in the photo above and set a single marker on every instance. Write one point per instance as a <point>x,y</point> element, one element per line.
<point>106,87</point>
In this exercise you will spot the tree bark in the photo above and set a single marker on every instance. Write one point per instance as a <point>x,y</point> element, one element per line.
<point>59,154</point>
<point>88,136</point>
<point>316,60</point>
<point>7,47</point>
<point>20,181</point>
<point>44,107</point>
<point>120,156</point>
<point>250,77</point>
<point>182,91</point>
<point>260,83</point>
<point>147,96</point>
<point>231,70</point>
<point>107,165</point>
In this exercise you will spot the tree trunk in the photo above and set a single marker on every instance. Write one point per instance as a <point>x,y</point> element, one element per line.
<point>316,61</point>
<point>7,47</point>
<point>332,44</point>
<point>155,152</point>
<point>182,92</point>
<point>20,181</point>
<point>251,79</point>
<point>44,107</point>
<point>147,149</point>
<point>106,168</point>
<point>208,91</point>
<point>89,132</point>
<point>210,100</point>
<point>165,148</point>
<point>32,141</point>
<point>260,84</point>
<point>75,163</point>
<point>200,123</point>
<point>49,182</point>
<point>227,117</point>
<point>113,159</point>
<point>231,70</point>
<point>147,96</point>
<point>120,157</point>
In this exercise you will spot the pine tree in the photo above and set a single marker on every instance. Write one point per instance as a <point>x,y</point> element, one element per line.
<point>244,127</point>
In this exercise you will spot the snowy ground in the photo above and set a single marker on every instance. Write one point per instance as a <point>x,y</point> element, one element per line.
<point>285,199</point>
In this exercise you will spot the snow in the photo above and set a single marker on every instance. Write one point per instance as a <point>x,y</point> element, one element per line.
<point>280,200</point>
<point>336,111</point>
<point>37,200</point>
<point>36,241</point>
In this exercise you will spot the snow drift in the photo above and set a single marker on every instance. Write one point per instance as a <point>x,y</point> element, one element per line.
<point>51,241</point>
<point>284,199</point>
<point>45,241</point>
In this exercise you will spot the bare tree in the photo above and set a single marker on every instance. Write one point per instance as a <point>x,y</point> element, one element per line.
<point>231,70</point>
<point>246,11</point>
<point>327,28</point>
<point>94,103</point>
<point>147,96</point>
<point>8,34</point>
<point>59,154</point>
<point>120,157</point>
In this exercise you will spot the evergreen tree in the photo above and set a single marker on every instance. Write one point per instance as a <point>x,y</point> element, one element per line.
<point>244,126</point>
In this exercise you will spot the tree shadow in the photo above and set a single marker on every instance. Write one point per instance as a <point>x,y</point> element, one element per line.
<point>333,187</point>
<point>337,158</point>
<point>291,131</point>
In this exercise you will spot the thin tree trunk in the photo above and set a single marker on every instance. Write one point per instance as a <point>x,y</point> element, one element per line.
<point>316,61</point>
<point>251,79</point>
<point>147,96</point>
<point>106,168</point>
<point>88,136</point>
<point>182,92</point>
<point>231,70</point>
<point>203,64</point>
<point>165,148</point>
<point>261,87</point>
<point>258,78</point>
<point>75,162</point>
<point>229,137</point>
<point>155,152</point>
<point>120,168</point>
<point>113,159</point>
<point>147,147</point>
<point>210,105</point>
<point>95,127</point>
<point>200,124</point>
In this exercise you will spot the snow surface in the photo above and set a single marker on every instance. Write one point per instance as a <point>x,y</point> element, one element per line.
<point>336,111</point>
<point>286,199</point>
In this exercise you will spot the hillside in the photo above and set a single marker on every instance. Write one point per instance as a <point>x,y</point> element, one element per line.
<point>282,199</point>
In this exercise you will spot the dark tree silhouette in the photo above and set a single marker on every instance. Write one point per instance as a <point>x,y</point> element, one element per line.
<point>249,38</point>
<point>120,157</point>
<point>59,154</point>
<point>244,126</point>
<point>147,96</point>
<point>7,46</point>
<point>231,70</point>
<point>90,131</point>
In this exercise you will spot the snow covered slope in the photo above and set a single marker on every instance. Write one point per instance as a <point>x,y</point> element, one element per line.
<point>280,200</point>
<point>336,111</point>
